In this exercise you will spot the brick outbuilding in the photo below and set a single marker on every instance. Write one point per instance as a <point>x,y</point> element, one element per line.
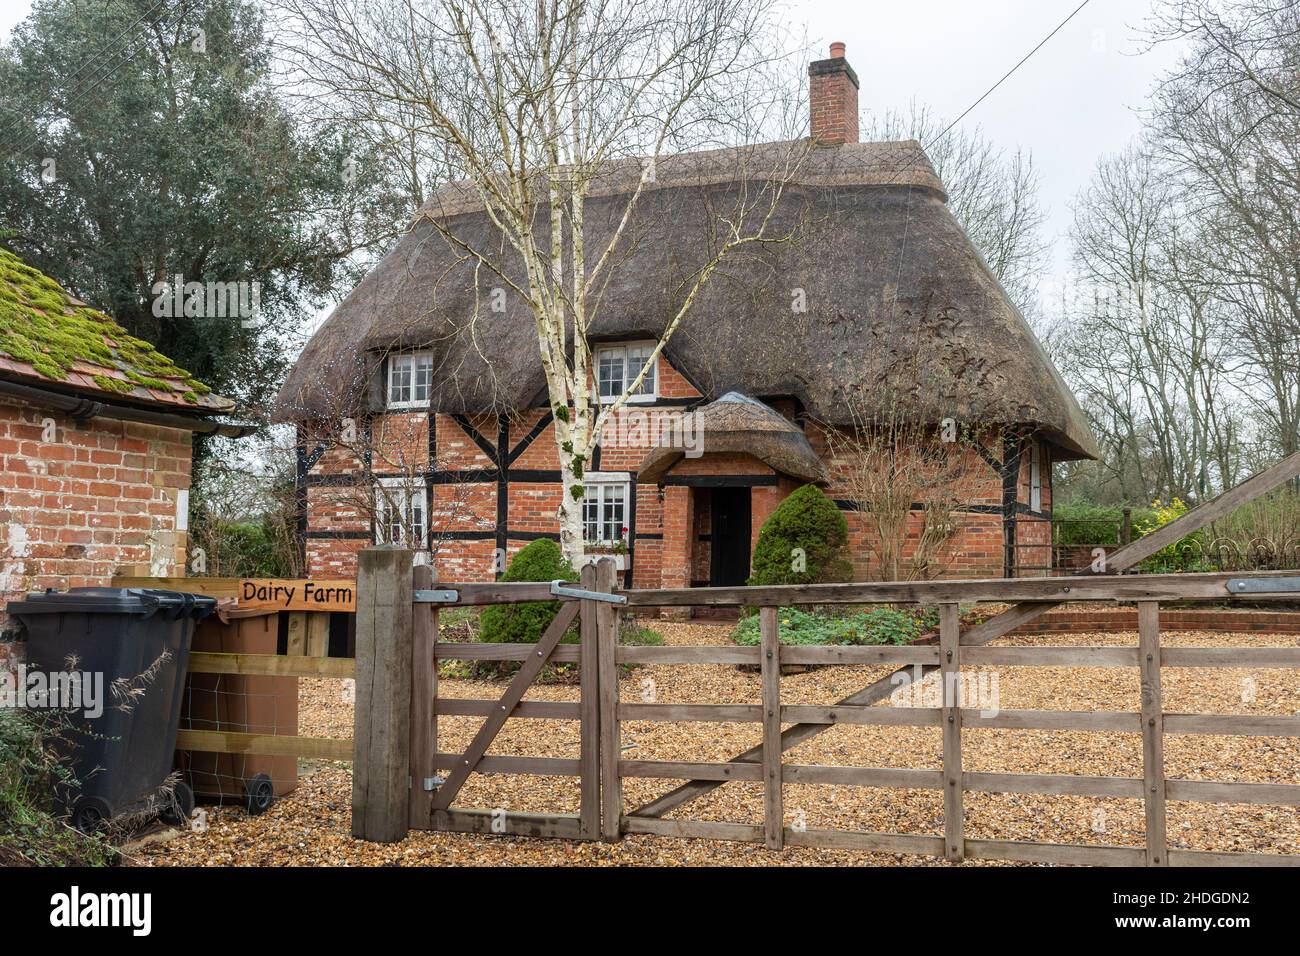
<point>96,432</point>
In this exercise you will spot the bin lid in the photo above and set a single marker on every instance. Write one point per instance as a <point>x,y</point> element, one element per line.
<point>142,601</point>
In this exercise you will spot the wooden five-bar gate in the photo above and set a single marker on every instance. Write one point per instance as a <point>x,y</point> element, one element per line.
<point>402,781</point>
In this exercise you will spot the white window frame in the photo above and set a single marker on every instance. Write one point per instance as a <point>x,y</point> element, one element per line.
<point>623,350</point>
<point>596,486</point>
<point>1035,477</point>
<point>402,490</point>
<point>408,362</point>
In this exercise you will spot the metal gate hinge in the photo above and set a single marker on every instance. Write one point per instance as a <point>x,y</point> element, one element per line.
<point>1278,585</point>
<point>430,783</point>
<point>559,589</point>
<point>435,596</point>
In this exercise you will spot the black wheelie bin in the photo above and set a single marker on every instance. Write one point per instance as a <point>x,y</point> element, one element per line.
<point>138,639</point>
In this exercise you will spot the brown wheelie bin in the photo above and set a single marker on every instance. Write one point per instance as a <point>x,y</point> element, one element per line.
<point>241,704</point>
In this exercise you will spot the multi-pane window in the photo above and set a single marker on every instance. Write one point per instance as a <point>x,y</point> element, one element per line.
<point>401,513</point>
<point>410,379</point>
<point>617,366</point>
<point>604,509</point>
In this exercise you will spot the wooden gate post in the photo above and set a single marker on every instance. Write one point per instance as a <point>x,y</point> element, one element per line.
<point>424,694</point>
<point>611,740</point>
<point>770,670</point>
<point>381,758</point>
<point>1153,745</point>
<point>954,834</point>
<point>589,711</point>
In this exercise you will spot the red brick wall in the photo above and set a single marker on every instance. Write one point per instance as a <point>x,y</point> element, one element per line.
<point>99,499</point>
<point>666,550</point>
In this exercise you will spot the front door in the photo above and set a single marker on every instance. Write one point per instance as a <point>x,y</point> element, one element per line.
<point>729,537</point>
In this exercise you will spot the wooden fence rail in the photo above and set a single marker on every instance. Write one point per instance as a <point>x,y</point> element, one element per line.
<point>601,767</point>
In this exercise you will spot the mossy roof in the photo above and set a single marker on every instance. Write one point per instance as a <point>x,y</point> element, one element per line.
<point>46,335</point>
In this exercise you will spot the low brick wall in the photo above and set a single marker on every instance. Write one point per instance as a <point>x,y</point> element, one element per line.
<point>1081,620</point>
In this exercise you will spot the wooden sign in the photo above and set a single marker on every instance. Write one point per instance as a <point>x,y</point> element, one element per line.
<point>298,595</point>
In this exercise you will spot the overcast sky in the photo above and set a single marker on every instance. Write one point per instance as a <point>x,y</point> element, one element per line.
<point>1070,104</point>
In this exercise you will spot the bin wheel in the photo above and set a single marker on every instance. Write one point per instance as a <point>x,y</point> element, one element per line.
<point>90,814</point>
<point>179,807</point>
<point>259,794</point>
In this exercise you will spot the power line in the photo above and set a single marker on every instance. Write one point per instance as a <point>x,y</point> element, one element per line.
<point>111,43</point>
<point>93,83</point>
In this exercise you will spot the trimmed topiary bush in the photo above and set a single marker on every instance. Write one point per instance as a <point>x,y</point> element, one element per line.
<point>805,541</point>
<point>525,623</point>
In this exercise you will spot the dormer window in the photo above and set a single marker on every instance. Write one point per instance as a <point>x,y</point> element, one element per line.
<point>410,379</point>
<point>617,366</point>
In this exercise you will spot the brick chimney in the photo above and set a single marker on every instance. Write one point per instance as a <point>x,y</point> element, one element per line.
<point>833,99</point>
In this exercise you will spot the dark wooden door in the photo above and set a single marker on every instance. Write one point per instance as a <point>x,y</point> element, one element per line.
<point>729,566</point>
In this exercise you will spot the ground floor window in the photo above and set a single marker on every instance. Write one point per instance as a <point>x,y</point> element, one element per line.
<point>401,512</point>
<point>604,507</point>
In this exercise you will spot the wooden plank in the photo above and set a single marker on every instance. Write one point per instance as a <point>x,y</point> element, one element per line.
<point>1055,853</point>
<point>492,725</point>
<point>1153,747</point>
<point>1232,725</point>
<point>903,778</point>
<point>682,770</point>
<point>611,741</point>
<point>424,694</point>
<point>381,762</point>
<point>299,594</point>
<point>297,640</point>
<point>703,713</point>
<point>1230,657</point>
<point>589,711</point>
<point>770,665</point>
<point>1200,516</point>
<point>701,654</point>
<point>1110,721</point>
<point>853,654</point>
<point>500,592</point>
<point>270,745</point>
<point>950,667</point>
<point>507,823</point>
<point>449,651</point>
<point>532,766</point>
<point>694,829</point>
<point>913,843</point>
<point>272,665</point>
<point>213,587</point>
<point>1058,784</point>
<point>1038,656</point>
<point>1215,791</point>
<point>318,634</point>
<point>1212,858</point>
<point>871,716</point>
<point>1087,587</point>
<point>533,709</point>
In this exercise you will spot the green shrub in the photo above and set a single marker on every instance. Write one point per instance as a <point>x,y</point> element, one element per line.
<point>1083,523</point>
<point>882,625</point>
<point>33,831</point>
<point>804,541</point>
<point>525,623</point>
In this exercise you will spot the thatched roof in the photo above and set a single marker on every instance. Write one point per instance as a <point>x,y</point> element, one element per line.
<point>738,423</point>
<point>876,295</point>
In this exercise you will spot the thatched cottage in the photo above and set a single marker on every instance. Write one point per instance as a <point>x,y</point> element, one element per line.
<point>417,422</point>
<point>96,431</point>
